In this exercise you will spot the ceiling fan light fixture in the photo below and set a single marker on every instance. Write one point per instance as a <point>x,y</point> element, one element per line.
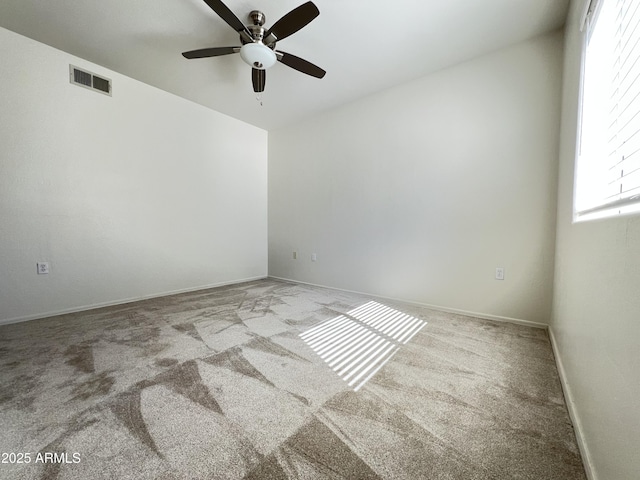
<point>259,44</point>
<point>258,55</point>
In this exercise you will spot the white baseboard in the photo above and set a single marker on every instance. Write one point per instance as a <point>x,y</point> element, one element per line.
<point>84,308</point>
<point>486,316</point>
<point>573,412</point>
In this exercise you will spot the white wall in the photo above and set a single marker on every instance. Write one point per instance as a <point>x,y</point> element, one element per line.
<point>596,306</point>
<point>421,191</point>
<point>134,195</point>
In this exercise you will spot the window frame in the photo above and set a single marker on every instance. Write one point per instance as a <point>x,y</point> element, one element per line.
<point>619,207</point>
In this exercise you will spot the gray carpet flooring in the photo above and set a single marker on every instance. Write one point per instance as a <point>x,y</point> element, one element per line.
<point>274,380</point>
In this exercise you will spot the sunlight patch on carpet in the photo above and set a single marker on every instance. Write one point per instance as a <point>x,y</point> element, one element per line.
<point>359,343</point>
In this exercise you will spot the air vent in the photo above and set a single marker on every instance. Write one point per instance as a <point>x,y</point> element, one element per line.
<point>87,79</point>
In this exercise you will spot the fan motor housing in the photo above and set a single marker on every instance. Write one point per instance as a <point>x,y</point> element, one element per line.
<point>257,32</point>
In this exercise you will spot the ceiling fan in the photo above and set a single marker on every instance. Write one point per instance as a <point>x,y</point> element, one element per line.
<point>258,48</point>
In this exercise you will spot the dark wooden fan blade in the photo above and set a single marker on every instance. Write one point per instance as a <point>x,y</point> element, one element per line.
<point>293,21</point>
<point>258,77</point>
<point>300,64</point>
<point>228,16</point>
<point>210,52</point>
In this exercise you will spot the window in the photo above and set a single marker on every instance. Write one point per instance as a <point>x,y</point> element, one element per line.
<point>608,164</point>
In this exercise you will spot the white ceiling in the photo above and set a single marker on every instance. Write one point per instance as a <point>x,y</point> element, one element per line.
<point>365,46</point>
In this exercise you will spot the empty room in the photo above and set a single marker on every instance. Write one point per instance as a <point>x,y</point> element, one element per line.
<point>308,240</point>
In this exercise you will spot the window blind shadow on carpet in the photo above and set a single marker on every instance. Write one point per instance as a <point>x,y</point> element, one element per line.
<point>360,342</point>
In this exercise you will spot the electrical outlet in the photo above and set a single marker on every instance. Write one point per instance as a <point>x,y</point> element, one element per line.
<point>295,255</point>
<point>43,268</point>
<point>314,257</point>
<point>499,273</point>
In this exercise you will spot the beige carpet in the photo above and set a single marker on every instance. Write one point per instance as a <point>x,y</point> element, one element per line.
<point>272,380</point>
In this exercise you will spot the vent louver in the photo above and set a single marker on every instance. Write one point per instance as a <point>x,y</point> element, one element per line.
<point>89,80</point>
<point>101,84</point>
<point>83,78</point>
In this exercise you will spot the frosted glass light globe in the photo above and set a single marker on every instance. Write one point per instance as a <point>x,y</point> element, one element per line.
<point>258,55</point>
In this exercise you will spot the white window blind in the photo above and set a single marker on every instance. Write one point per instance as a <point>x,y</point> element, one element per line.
<point>608,167</point>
